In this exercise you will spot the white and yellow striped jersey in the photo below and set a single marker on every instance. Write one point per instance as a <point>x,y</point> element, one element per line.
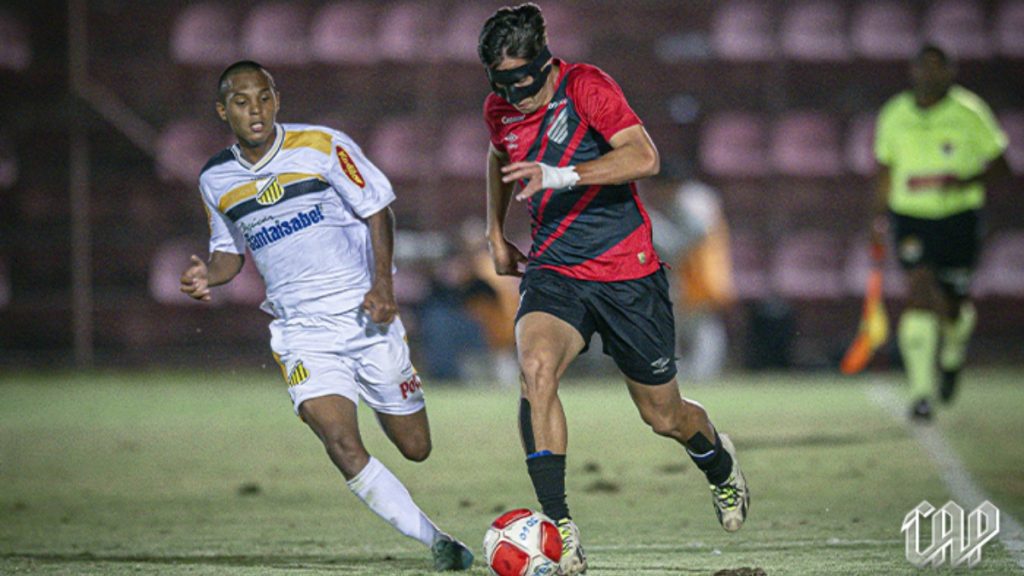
<point>299,211</point>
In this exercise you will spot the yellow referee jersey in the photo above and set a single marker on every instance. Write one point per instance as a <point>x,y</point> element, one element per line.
<point>957,136</point>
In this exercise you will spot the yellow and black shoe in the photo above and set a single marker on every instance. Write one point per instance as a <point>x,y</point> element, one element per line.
<point>574,560</point>
<point>732,497</point>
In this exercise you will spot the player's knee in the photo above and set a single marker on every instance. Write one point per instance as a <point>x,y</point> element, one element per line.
<point>343,447</point>
<point>539,375</point>
<point>416,449</point>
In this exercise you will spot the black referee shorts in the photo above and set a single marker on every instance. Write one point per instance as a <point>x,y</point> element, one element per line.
<point>949,246</point>
<point>633,317</point>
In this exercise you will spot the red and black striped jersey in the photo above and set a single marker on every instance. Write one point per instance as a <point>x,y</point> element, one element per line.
<point>599,232</point>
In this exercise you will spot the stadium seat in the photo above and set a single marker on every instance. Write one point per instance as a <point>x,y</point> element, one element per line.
<point>1009,28</point>
<point>568,36</point>
<point>958,26</point>
<point>859,149</point>
<point>749,273</point>
<point>884,30</point>
<point>399,146</point>
<point>815,31</point>
<point>165,269</point>
<point>1012,122</point>
<point>408,32</point>
<point>465,147</point>
<point>184,146</point>
<point>204,34</point>
<point>858,263</point>
<point>1001,272</point>
<point>742,30</point>
<point>806,143</point>
<point>274,33</point>
<point>807,266</point>
<point>733,145</point>
<point>462,31</point>
<point>15,47</point>
<point>344,32</point>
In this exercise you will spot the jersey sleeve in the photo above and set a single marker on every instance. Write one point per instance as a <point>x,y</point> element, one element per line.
<point>493,125</point>
<point>360,184</point>
<point>224,236</point>
<point>988,136</point>
<point>601,103</point>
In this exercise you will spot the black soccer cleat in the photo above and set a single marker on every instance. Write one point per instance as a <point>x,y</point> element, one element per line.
<point>450,554</point>
<point>921,411</point>
<point>947,387</point>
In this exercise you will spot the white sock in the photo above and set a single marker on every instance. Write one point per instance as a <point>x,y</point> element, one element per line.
<point>379,489</point>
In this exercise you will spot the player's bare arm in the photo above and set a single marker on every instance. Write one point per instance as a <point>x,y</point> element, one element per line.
<point>200,276</point>
<point>507,258</point>
<point>633,156</point>
<point>379,302</point>
<point>995,173</point>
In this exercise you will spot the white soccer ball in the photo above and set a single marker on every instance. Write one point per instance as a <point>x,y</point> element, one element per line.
<point>523,543</point>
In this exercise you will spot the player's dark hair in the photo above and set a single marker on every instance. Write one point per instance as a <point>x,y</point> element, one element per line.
<point>240,66</point>
<point>512,32</point>
<point>933,50</point>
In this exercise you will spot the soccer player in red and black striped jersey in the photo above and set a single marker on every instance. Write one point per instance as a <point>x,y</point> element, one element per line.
<point>566,135</point>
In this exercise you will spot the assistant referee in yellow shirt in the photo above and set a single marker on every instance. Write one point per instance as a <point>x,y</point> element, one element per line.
<point>938,147</point>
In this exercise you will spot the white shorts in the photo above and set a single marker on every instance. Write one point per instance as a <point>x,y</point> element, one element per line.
<point>347,355</point>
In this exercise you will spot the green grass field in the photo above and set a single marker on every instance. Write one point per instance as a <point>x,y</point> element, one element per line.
<point>189,473</point>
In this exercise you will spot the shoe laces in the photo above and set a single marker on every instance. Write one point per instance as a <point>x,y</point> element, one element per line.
<point>568,538</point>
<point>727,495</point>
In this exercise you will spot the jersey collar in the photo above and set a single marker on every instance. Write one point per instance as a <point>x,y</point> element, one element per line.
<point>271,152</point>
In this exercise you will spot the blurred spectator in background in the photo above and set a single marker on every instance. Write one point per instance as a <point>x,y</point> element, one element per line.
<point>467,319</point>
<point>695,239</point>
<point>704,280</point>
<point>938,147</point>
<point>496,314</point>
<point>454,341</point>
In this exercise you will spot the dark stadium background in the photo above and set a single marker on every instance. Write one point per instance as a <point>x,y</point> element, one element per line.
<point>106,115</point>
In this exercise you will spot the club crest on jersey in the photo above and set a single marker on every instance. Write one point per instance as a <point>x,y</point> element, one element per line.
<point>298,375</point>
<point>349,167</point>
<point>559,129</point>
<point>270,191</point>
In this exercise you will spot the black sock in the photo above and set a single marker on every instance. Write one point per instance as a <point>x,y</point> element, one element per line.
<point>712,459</point>
<point>547,471</point>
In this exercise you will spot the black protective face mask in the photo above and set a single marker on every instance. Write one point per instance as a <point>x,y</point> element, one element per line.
<point>503,81</point>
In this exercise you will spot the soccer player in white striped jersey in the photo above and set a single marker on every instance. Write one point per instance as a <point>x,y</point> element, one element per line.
<point>314,213</point>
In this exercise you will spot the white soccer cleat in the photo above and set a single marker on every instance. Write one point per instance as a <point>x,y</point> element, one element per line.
<point>574,560</point>
<point>732,498</point>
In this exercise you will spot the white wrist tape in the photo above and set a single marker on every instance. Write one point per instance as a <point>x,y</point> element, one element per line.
<point>558,178</point>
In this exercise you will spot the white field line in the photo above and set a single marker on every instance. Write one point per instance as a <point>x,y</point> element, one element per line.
<point>781,545</point>
<point>958,480</point>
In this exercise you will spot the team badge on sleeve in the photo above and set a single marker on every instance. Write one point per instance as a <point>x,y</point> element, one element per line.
<point>349,167</point>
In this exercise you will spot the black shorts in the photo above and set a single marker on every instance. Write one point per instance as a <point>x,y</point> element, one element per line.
<point>633,317</point>
<point>949,246</point>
